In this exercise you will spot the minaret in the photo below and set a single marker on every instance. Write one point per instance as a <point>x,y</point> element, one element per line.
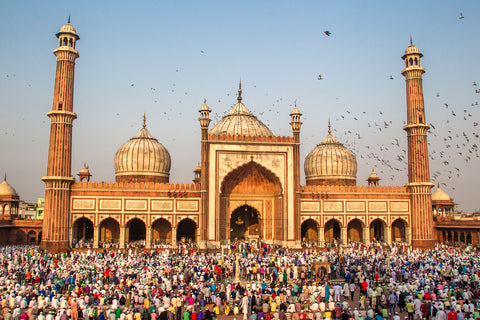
<point>419,183</point>
<point>57,219</point>
<point>204,123</point>
<point>296,124</point>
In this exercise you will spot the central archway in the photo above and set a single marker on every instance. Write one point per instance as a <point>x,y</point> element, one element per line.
<point>257,189</point>
<point>244,223</point>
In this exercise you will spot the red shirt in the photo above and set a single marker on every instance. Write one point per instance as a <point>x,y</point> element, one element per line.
<point>452,315</point>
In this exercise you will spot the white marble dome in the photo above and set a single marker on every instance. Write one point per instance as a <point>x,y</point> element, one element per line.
<point>330,161</point>
<point>142,159</point>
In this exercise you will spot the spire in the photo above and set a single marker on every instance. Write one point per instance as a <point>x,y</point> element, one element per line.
<point>69,19</point>
<point>5,177</point>
<point>329,127</point>
<point>144,121</point>
<point>239,98</point>
<point>411,42</point>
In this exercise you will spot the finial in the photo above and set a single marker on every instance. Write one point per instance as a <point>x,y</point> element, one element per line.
<point>144,121</point>
<point>411,42</point>
<point>329,127</point>
<point>204,100</point>
<point>69,19</point>
<point>239,98</point>
<point>5,178</point>
<point>295,103</point>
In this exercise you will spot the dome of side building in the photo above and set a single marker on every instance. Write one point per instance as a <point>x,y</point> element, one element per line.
<point>330,163</point>
<point>142,159</point>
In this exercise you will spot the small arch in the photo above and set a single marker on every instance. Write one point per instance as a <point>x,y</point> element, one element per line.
<point>31,237</point>
<point>399,227</point>
<point>186,230</point>
<point>161,231</point>
<point>309,231</point>
<point>410,62</point>
<point>65,41</point>
<point>355,231</point>
<point>332,231</point>
<point>109,231</point>
<point>70,42</point>
<point>82,232</point>
<point>377,230</point>
<point>416,61</point>
<point>420,119</point>
<point>135,232</point>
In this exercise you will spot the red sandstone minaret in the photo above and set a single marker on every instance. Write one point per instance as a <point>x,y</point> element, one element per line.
<point>56,221</point>
<point>419,183</point>
<point>204,123</point>
<point>295,117</point>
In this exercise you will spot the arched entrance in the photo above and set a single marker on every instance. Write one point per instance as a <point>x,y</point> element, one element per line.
<point>309,231</point>
<point>332,231</point>
<point>83,231</point>
<point>109,231</point>
<point>399,228</point>
<point>20,237</point>
<point>135,232</point>
<point>377,230</point>
<point>244,223</point>
<point>253,185</point>
<point>186,230</point>
<point>355,231</point>
<point>161,232</point>
<point>31,237</point>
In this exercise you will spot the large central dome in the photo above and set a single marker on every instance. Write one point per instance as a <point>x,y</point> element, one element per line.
<point>239,121</point>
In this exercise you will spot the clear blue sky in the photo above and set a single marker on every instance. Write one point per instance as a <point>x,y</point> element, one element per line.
<point>277,48</point>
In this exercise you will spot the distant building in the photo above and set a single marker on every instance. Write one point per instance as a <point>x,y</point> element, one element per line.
<point>27,210</point>
<point>40,208</point>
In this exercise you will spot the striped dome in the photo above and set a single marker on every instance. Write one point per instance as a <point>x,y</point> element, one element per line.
<point>239,121</point>
<point>142,159</point>
<point>330,162</point>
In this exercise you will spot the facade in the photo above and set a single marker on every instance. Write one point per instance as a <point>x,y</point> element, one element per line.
<point>247,185</point>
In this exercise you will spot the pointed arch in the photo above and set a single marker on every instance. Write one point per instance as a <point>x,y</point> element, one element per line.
<point>399,227</point>
<point>186,230</point>
<point>251,177</point>
<point>254,185</point>
<point>309,231</point>
<point>355,230</point>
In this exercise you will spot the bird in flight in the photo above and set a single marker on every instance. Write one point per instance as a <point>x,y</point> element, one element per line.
<point>320,77</point>
<point>461,16</point>
<point>327,33</point>
<point>391,77</point>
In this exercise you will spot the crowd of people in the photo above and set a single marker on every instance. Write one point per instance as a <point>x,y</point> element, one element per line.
<point>244,281</point>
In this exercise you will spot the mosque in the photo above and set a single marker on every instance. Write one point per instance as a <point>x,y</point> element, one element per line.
<point>247,185</point>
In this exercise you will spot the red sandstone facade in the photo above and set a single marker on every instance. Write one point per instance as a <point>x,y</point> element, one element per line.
<point>247,185</point>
